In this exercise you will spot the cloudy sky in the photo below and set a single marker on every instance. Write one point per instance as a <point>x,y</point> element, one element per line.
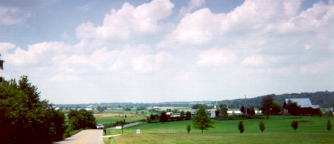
<point>168,50</point>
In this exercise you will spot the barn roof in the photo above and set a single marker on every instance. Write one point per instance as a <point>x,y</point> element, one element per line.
<point>302,102</point>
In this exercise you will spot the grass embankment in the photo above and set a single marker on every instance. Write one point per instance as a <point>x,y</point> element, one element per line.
<point>277,130</point>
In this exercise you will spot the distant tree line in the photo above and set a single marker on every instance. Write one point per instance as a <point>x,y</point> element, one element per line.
<point>325,99</point>
<point>101,108</point>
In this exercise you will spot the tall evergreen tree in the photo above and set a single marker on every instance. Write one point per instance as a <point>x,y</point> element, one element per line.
<point>201,120</point>
<point>188,128</point>
<point>262,127</point>
<point>329,125</point>
<point>241,127</point>
<point>294,125</point>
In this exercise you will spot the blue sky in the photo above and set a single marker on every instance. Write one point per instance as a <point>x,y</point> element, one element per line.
<point>161,50</point>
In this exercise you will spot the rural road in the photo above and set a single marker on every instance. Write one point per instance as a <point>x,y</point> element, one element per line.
<point>128,125</point>
<point>93,136</point>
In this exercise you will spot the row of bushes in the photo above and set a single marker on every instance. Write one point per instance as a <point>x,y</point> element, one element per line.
<point>294,125</point>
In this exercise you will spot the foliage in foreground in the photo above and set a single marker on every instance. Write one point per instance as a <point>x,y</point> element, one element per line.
<point>24,118</point>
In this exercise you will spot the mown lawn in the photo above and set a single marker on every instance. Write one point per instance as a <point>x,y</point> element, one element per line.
<point>278,130</point>
<point>250,138</point>
<point>233,138</point>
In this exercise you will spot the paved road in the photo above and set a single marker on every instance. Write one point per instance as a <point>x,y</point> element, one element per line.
<point>93,136</point>
<point>128,125</point>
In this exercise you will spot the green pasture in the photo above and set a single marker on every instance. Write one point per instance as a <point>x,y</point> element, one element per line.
<point>277,130</point>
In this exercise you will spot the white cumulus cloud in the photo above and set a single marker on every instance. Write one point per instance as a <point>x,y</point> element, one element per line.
<point>215,57</point>
<point>128,21</point>
<point>192,4</point>
<point>151,63</point>
<point>12,15</point>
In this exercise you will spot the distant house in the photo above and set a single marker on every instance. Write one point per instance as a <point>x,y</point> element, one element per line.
<point>169,113</point>
<point>304,104</point>
<point>211,113</point>
<point>193,111</point>
<point>154,108</point>
<point>89,108</point>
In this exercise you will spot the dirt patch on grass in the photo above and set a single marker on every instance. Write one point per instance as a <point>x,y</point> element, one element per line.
<point>115,115</point>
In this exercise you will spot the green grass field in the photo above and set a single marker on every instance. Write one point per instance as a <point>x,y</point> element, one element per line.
<point>277,130</point>
<point>228,138</point>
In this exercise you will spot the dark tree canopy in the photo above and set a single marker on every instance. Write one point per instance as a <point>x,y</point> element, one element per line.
<point>188,115</point>
<point>163,117</point>
<point>262,127</point>
<point>201,120</point>
<point>267,103</point>
<point>182,114</point>
<point>294,125</point>
<point>81,119</point>
<point>329,125</point>
<point>197,106</point>
<point>292,107</point>
<point>25,117</point>
<point>223,110</point>
<point>241,127</point>
<point>1,64</point>
<point>188,128</point>
<point>248,110</point>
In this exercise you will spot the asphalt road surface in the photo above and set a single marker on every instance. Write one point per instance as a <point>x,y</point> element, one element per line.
<point>128,125</point>
<point>93,136</point>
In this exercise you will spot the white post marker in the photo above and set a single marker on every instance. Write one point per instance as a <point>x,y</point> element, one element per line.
<point>138,131</point>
